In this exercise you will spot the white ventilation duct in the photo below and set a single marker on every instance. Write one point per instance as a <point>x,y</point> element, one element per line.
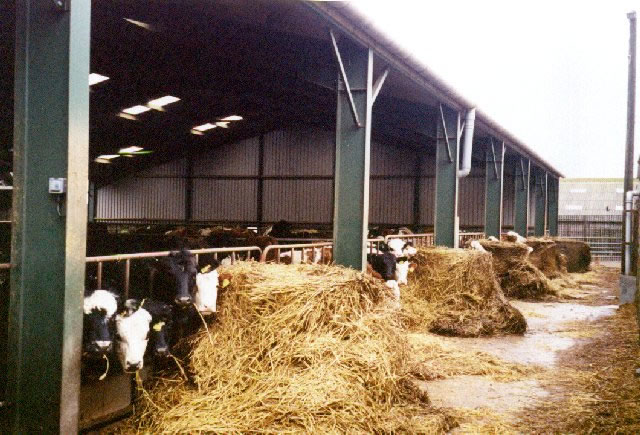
<point>628,206</point>
<point>468,143</point>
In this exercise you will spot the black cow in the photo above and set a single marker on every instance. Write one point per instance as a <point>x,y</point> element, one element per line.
<point>174,277</point>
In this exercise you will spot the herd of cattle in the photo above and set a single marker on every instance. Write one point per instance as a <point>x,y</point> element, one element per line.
<point>172,295</point>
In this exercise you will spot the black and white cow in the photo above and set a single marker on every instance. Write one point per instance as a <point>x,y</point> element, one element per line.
<point>385,264</point>
<point>132,329</point>
<point>160,325</point>
<point>98,322</point>
<point>173,278</point>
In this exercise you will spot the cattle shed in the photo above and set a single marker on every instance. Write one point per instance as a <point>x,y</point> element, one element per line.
<point>224,112</point>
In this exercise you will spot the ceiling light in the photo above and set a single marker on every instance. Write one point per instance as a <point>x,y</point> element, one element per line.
<point>135,110</point>
<point>95,78</point>
<point>204,127</point>
<point>127,116</point>
<point>141,24</point>
<point>232,118</point>
<point>130,150</point>
<point>223,124</point>
<point>99,160</point>
<point>108,156</point>
<point>159,103</point>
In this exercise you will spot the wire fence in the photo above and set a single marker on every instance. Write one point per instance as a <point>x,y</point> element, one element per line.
<point>603,233</point>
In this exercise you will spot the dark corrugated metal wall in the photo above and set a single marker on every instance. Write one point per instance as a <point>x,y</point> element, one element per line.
<point>297,184</point>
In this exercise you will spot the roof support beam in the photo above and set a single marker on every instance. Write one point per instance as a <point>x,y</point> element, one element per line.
<point>541,202</point>
<point>51,139</point>
<point>378,85</point>
<point>521,197</point>
<point>552,204</point>
<point>353,148</point>
<point>345,80</point>
<point>494,171</point>
<point>446,201</point>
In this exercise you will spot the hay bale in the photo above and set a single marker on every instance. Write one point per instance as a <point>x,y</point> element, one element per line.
<point>302,348</point>
<point>518,277</point>
<point>455,292</point>
<point>547,257</point>
<point>577,253</point>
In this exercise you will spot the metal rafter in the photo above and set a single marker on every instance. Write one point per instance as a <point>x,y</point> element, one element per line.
<point>446,134</point>
<point>345,80</point>
<point>378,85</point>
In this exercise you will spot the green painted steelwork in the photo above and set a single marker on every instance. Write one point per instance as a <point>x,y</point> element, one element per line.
<point>553,191</point>
<point>446,201</point>
<point>494,183</point>
<point>541,202</point>
<point>51,139</point>
<point>521,197</point>
<point>353,146</point>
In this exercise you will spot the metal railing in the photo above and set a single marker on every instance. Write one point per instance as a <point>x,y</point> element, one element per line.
<point>466,237</point>
<point>418,240</point>
<point>128,257</point>
<point>303,248</point>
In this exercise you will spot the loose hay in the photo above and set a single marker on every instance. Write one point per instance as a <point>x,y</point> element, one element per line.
<point>578,254</point>
<point>454,292</point>
<point>518,277</point>
<point>547,257</point>
<point>314,349</point>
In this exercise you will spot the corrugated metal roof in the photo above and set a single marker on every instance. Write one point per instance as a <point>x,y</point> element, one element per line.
<point>350,21</point>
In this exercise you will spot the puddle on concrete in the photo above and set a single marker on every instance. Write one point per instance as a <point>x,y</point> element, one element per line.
<point>481,392</point>
<point>541,344</point>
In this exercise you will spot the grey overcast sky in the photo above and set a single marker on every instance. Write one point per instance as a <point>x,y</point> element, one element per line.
<point>554,73</point>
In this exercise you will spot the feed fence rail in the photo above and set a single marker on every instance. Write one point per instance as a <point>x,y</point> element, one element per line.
<point>306,251</point>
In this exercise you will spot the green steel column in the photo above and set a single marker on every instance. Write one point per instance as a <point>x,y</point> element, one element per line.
<point>521,206</point>
<point>446,201</point>
<point>553,192</point>
<point>541,202</point>
<point>51,139</point>
<point>494,177</point>
<point>351,210</point>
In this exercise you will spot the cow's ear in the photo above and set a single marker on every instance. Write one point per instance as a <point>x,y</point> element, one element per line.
<point>225,279</point>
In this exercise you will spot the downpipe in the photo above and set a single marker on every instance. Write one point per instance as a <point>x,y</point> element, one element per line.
<point>467,148</point>
<point>628,208</point>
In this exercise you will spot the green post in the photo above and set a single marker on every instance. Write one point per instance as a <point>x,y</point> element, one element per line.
<point>446,201</point>
<point>353,143</point>
<point>521,208</point>
<point>541,202</point>
<point>553,193</point>
<point>494,178</point>
<point>51,139</point>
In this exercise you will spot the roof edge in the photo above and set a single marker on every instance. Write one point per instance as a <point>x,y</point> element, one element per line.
<point>352,22</point>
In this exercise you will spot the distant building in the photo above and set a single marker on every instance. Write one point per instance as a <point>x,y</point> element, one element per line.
<point>591,196</point>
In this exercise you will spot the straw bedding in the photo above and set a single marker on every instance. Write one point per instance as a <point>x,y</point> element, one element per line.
<point>296,349</point>
<point>518,277</point>
<point>454,292</point>
<point>547,257</point>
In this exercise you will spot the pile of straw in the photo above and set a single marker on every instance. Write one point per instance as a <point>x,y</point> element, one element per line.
<point>454,292</point>
<point>518,277</point>
<point>547,257</point>
<point>296,349</point>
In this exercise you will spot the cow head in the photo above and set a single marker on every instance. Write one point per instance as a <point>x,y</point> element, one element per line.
<point>161,320</point>
<point>402,270</point>
<point>400,248</point>
<point>206,294</point>
<point>133,336</point>
<point>99,308</point>
<point>182,266</point>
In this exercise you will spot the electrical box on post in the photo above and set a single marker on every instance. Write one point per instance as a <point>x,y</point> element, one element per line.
<point>57,186</point>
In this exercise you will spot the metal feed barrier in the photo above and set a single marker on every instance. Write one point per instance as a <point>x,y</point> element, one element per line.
<point>467,237</point>
<point>418,240</point>
<point>303,248</point>
<point>128,257</point>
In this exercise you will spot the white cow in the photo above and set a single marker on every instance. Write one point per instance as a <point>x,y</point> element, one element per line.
<point>477,246</point>
<point>133,332</point>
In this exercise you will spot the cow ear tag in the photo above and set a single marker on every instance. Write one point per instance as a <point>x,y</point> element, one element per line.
<point>158,326</point>
<point>225,283</point>
<point>206,269</point>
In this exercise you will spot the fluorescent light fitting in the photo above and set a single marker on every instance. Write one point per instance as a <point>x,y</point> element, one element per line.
<point>95,78</point>
<point>233,118</point>
<point>223,124</point>
<point>135,110</point>
<point>109,156</point>
<point>127,116</point>
<point>204,127</point>
<point>99,160</point>
<point>141,24</point>
<point>159,103</point>
<point>130,150</point>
